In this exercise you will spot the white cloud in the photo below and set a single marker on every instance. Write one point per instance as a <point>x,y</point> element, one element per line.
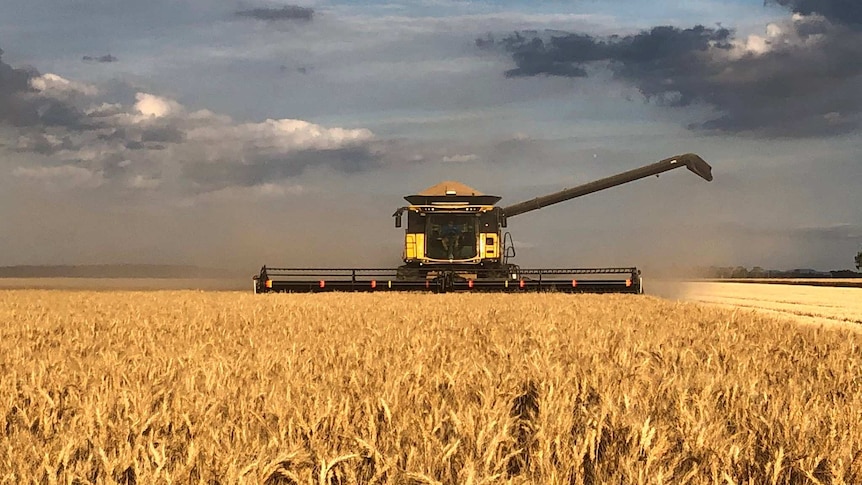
<point>460,158</point>
<point>282,136</point>
<point>756,45</point>
<point>778,34</point>
<point>54,85</point>
<point>139,145</point>
<point>154,106</point>
<point>773,30</point>
<point>104,109</point>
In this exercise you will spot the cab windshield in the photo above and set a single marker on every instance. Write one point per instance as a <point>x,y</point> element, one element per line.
<point>451,236</point>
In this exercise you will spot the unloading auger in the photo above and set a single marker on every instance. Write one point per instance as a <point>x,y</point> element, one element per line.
<point>455,241</point>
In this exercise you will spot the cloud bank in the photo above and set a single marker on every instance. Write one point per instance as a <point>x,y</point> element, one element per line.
<point>30,99</point>
<point>799,79</point>
<point>288,12</point>
<point>107,58</point>
<point>847,12</point>
<point>76,138</point>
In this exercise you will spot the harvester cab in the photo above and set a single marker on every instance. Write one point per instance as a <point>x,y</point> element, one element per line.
<point>455,240</point>
<point>449,225</point>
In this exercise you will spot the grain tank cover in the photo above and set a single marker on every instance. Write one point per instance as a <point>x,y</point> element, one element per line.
<point>452,191</point>
<point>450,187</point>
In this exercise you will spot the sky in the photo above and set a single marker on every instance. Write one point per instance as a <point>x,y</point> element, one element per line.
<point>235,134</point>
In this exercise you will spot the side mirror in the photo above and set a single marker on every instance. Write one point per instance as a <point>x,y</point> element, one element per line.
<point>398,220</point>
<point>503,222</point>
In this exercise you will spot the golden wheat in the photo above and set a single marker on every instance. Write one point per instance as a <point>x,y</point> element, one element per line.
<point>195,387</point>
<point>811,303</point>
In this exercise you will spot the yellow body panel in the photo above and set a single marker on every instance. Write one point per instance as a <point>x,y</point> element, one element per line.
<point>409,246</point>
<point>414,246</point>
<point>420,246</point>
<point>489,250</point>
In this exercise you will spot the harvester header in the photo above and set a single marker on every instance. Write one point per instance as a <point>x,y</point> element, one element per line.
<point>454,241</point>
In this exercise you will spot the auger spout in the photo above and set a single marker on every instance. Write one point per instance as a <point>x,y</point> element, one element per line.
<point>689,160</point>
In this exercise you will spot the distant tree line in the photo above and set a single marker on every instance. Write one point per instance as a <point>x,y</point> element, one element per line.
<point>725,272</point>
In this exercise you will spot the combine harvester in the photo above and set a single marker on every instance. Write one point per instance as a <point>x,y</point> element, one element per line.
<point>455,242</point>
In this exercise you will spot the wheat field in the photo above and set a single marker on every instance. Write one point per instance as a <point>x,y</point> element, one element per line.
<point>839,307</point>
<point>229,387</point>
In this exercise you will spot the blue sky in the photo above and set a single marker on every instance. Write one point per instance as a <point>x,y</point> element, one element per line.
<point>369,101</point>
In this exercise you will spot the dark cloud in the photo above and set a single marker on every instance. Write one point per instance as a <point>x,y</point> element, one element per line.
<point>288,12</point>
<point>163,134</point>
<point>43,144</point>
<point>22,105</point>
<point>115,134</point>
<point>14,83</point>
<point>657,51</point>
<point>801,81</point>
<point>102,59</point>
<point>13,80</point>
<point>848,12</point>
<point>53,112</point>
